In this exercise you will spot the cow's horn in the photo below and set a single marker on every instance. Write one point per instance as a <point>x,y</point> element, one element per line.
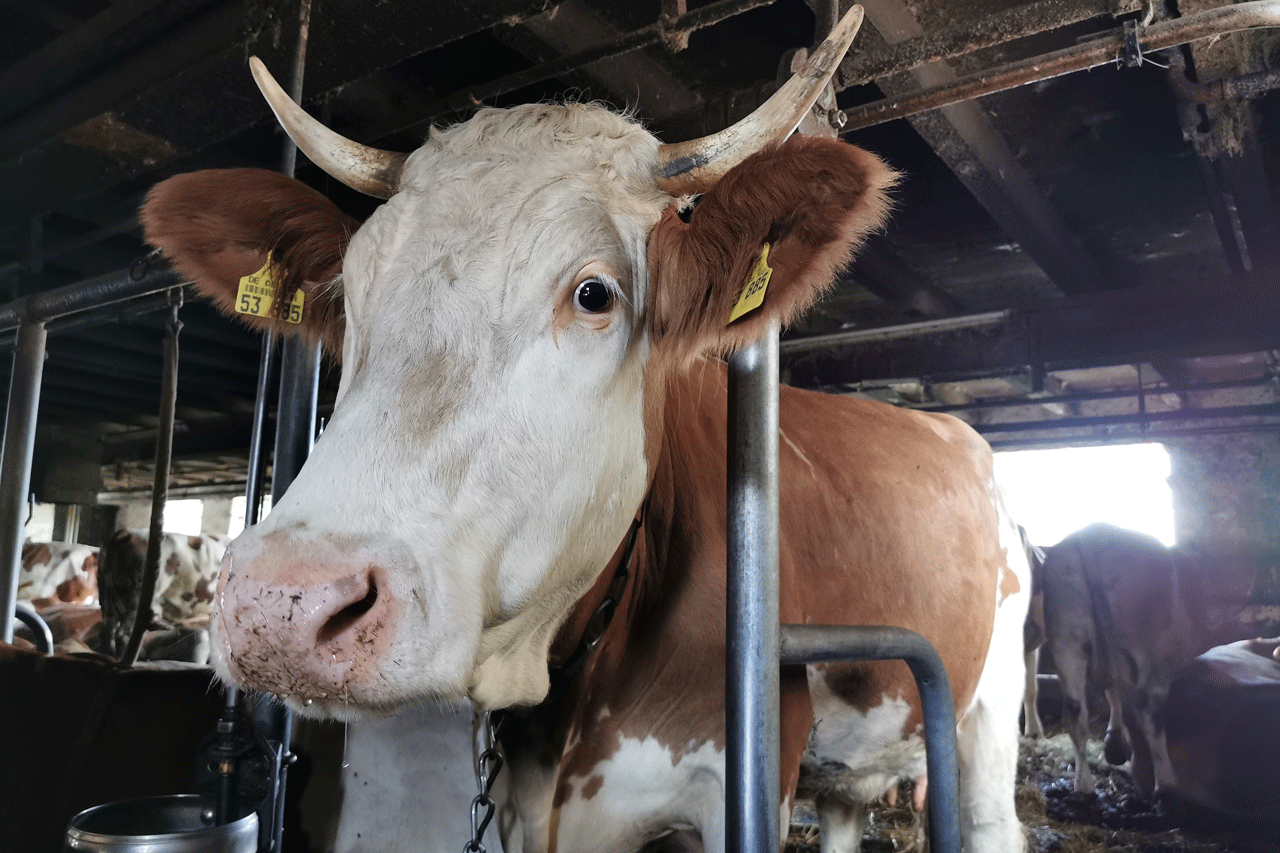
<point>371,171</point>
<point>695,166</point>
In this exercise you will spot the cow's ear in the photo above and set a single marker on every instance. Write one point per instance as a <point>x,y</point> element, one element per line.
<point>219,226</point>
<point>811,200</point>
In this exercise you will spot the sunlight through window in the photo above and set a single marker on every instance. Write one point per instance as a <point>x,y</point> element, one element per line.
<point>183,516</point>
<point>1055,492</point>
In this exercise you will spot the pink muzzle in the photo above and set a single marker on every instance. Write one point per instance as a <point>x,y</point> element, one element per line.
<point>304,628</point>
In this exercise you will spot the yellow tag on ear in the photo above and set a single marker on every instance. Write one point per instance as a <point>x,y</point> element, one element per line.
<point>257,292</point>
<point>294,314</point>
<point>751,296</point>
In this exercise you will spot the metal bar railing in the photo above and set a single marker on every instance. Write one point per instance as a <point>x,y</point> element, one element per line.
<point>805,644</point>
<point>752,710</point>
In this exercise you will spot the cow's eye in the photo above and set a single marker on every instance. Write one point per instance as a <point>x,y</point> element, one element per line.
<point>592,297</point>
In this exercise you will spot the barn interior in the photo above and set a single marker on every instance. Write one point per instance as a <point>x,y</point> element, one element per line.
<point>1076,257</point>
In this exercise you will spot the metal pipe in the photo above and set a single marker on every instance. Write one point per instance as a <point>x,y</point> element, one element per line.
<point>295,436</point>
<point>1143,436</point>
<point>1261,410</point>
<point>1101,51</point>
<point>752,710</point>
<point>107,314</point>
<point>1226,89</point>
<point>966,37</point>
<point>15,462</point>
<point>903,330</point>
<point>1090,396</point>
<point>805,644</point>
<point>90,293</point>
<point>160,484</point>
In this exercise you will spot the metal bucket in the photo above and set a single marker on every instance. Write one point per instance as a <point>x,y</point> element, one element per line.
<point>178,823</point>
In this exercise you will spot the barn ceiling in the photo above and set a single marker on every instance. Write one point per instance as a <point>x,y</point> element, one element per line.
<point>1092,256</point>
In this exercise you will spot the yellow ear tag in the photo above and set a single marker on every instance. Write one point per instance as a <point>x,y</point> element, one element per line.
<point>257,292</point>
<point>751,296</point>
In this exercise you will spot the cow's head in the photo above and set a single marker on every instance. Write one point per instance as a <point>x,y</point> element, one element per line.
<point>507,323</point>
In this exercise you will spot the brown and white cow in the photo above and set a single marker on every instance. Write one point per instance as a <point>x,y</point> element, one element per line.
<point>184,586</point>
<point>527,333</point>
<point>1124,613</point>
<point>58,572</point>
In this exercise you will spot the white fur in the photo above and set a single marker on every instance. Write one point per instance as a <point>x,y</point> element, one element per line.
<point>473,421</point>
<point>647,789</point>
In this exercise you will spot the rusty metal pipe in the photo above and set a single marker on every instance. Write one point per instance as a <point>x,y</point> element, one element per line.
<point>1101,51</point>
<point>1229,88</point>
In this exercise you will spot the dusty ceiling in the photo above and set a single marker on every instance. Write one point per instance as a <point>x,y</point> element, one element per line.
<point>1055,248</point>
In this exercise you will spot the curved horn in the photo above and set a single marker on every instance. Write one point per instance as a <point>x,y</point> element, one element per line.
<point>695,166</point>
<point>371,171</point>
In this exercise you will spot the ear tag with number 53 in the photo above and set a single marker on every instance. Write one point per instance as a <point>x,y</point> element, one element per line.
<point>257,292</point>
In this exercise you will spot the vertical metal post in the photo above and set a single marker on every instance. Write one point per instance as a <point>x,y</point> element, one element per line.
<point>752,703</point>
<point>15,465</point>
<point>295,433</point>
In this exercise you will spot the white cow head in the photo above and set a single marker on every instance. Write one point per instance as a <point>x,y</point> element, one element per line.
<point>507,323</point>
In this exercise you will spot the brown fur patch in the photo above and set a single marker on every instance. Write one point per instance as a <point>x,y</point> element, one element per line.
<point>593,786</point>
<point>219,225</point>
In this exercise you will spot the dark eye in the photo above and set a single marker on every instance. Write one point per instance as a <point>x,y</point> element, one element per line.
<point>592,296</point>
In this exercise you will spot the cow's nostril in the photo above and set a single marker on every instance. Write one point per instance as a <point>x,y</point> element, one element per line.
<point>349,615</point>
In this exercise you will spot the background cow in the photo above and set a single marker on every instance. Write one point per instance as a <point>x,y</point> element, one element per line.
<point>527,328</point>
<point>183,594</point>
<point>1033,637</point>
<point>1222,721</point>
<point>54,572</point>
<point>1125,613</point>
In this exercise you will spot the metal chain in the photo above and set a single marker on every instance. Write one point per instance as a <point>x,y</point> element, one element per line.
<point>488,763</point>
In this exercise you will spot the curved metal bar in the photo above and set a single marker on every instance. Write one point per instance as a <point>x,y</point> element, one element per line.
<point>27,615</point>
<point>1102,51</point>
<point>803,644</point>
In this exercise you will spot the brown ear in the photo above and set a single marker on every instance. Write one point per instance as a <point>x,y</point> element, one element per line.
<point>813,200</point>
<point>219,225</point>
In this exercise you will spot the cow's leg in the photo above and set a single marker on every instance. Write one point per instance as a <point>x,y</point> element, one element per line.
<point>1073,670</point>
<point>840,823</point>
<point>987,740</point>
<point>1116,747</point>
<point>1032,727</point>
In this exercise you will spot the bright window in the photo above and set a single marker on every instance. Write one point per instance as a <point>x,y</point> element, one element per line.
<point>1055,492</point>
<point>183,516</point>
<point>237,513</point>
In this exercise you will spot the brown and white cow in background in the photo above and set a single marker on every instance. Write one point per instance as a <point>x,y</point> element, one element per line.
<point>183,596</point>
<point>527,331</point>
<point>1125,614</point>
<point>58,572</point>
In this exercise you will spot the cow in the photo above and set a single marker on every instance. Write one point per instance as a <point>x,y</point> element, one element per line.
<point>1033,636</point>
<point>54,572</point>
<point>529,330</point>
<point>184,586</point>
<point>1222,718</point>
<point>1123,614</point>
